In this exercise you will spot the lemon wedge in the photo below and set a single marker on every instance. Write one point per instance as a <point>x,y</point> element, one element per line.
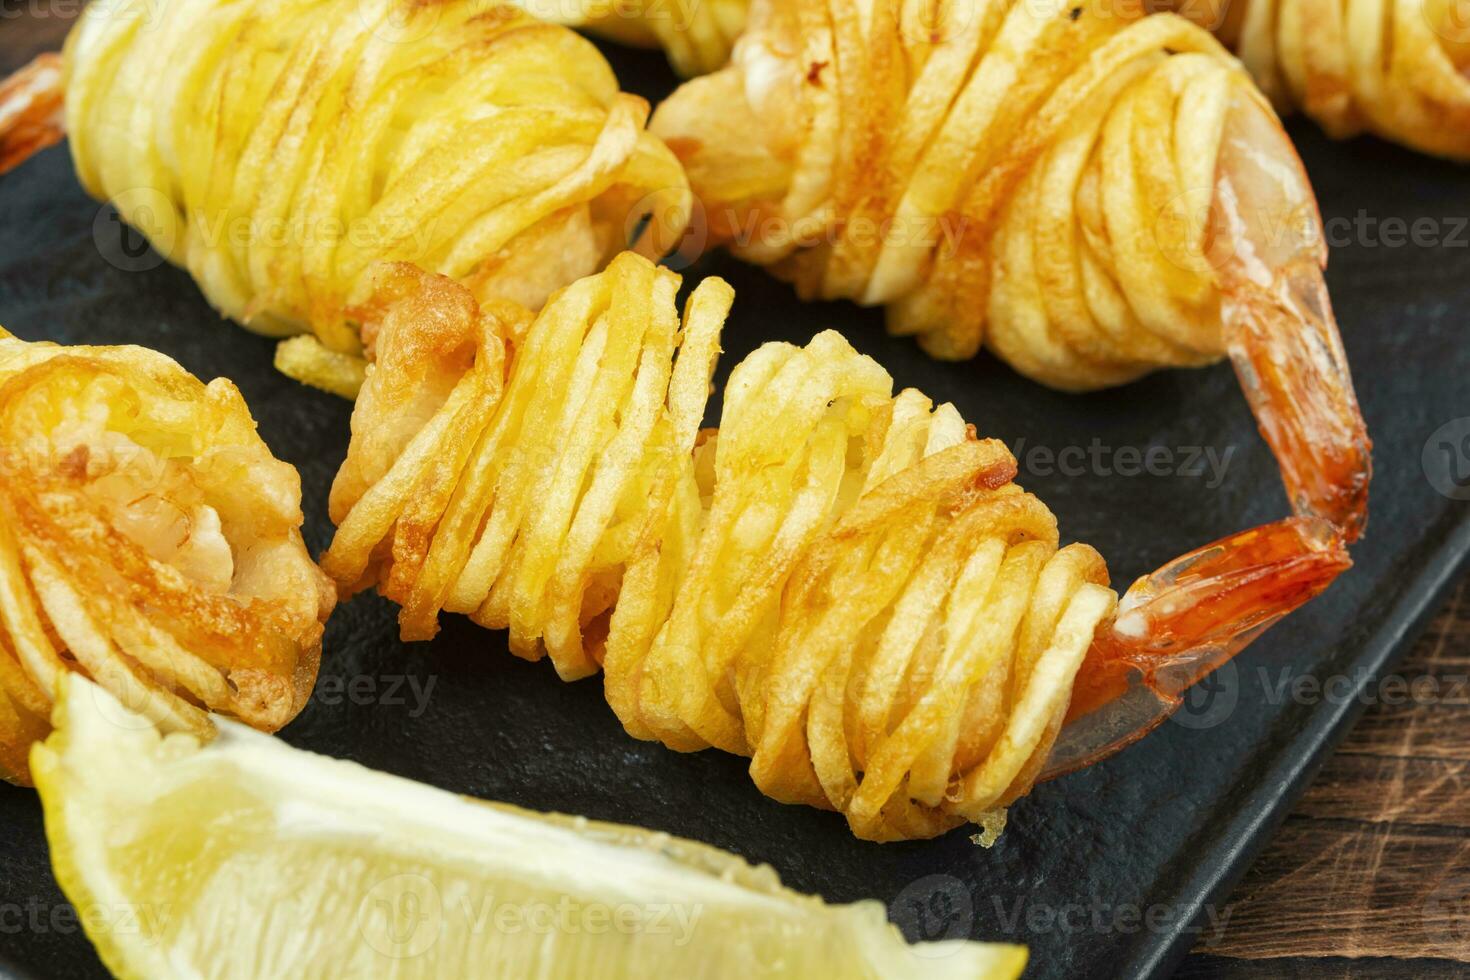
<point>244,857</point>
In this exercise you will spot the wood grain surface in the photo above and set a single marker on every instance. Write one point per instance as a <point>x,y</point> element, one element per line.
<point>1370,875</point>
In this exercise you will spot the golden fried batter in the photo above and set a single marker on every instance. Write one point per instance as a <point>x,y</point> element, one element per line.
<point>277,148</point>
<point>1041,178</point>
<point>151,542</point>
<point>1397,68</point>
<point>839,582</point>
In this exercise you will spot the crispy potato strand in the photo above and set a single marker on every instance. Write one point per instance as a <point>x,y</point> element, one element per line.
<point>1396,68</point>
<point>1035,177</point>
<point>1091,193</point>
<point>696,34</point>
<point>841,583</point>
<point>278,148</point>
<point>151,542</point>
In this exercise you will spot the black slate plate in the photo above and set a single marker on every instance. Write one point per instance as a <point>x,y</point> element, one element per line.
<point>1115,871</point>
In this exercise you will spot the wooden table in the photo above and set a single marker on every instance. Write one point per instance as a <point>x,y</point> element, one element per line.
<point>1370,876</point>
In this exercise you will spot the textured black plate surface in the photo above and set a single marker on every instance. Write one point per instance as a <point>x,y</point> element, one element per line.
<point>1115,871</point>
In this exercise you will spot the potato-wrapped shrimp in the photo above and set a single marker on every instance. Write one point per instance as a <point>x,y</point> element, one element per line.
<point>1397,68</point>
<point>276,148</point>
<point>1091,194</point>
<point>150,541</point>
<point>696,34</point>
<point>843,584</point>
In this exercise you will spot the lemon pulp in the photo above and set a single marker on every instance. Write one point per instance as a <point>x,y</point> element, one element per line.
<point>244,857</point>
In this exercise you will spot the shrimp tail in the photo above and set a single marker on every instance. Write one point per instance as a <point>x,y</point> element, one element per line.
<point>1175,626</point>
<point>1182,622</point>
<point>1278,325</point>
<point>32,104</point>
<point>1287,353</point>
